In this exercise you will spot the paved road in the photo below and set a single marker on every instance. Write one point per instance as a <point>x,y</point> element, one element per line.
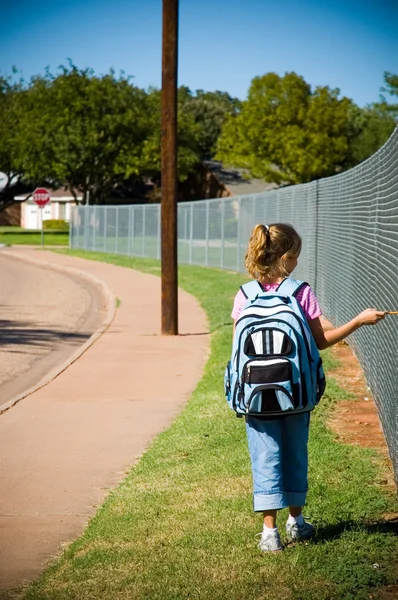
<point>44,316</point>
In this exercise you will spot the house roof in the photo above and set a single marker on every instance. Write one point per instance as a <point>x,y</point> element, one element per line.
<point>59,194</point>
<point>237,180</point>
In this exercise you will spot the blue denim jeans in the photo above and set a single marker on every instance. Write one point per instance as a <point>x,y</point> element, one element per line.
<point>279,456</point>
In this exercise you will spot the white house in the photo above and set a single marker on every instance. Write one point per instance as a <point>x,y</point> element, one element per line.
<point>59,208</point>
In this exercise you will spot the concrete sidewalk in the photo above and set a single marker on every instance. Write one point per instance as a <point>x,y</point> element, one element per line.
<point>64,446</point>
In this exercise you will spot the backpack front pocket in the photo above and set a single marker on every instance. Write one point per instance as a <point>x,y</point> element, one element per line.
<point>266,371</point>
<point>271,399</point>
<point>267,386</point>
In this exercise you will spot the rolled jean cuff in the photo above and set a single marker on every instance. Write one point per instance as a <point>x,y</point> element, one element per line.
<point>263,501</point>
<point>295,498</point>
<point>278,500</point>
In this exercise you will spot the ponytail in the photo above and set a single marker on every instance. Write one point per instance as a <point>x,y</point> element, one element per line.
<point>266,248</point>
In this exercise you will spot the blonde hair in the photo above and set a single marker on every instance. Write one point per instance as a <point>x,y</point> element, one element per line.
<point>266,248</point>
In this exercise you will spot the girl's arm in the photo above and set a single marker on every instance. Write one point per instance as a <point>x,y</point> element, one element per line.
<point>327,337</point>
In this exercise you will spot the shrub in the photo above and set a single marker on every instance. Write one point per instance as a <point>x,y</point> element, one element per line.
<point>58,224</point>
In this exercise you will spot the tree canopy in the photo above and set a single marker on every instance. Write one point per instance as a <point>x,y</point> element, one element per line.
<point>93,133</point>
<point>391,88</point>
<point>82,131</point>
<point>370,129</point>
<point>9,127</point>
<point>286,132</point>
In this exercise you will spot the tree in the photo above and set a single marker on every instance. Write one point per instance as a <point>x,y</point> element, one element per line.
<point>150,162</point>
<point>391,88</point>
<point>92,134</point>
<point>209,111</point>
<point>9,122</point>
<point>370,129</point>
<point>81,131</point>
<point>200,118</point>
<point>287,133</point>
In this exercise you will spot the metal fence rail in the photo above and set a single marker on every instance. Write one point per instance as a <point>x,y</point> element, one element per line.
<point>349,225</point>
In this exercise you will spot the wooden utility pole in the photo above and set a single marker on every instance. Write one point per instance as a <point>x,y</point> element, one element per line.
<point>169,168</point>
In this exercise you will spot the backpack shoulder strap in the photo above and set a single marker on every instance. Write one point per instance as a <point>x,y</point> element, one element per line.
<point>290,287</point>
<point>251,289</point>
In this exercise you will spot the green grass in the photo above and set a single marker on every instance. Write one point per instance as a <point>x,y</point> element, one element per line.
<point>181,524</point>
<point>12,229</point>
<point>16,236</point>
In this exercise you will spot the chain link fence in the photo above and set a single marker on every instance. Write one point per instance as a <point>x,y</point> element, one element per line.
<point>349,226</point>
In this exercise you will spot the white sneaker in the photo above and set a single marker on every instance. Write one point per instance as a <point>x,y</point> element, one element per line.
<point>300,532</point>
<point>270,542</point>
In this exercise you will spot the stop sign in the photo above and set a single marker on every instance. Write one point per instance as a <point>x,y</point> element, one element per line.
<point>41,196</point>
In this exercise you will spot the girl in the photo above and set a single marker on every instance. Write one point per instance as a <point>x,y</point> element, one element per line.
<point>278,446</point>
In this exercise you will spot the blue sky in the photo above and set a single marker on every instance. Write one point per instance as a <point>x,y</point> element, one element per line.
<point>222,44</point>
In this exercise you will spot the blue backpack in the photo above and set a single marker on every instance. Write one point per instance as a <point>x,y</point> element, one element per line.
<point>275,367</point>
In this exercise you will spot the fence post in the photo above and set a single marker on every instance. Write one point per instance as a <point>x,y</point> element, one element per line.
<point>207,234</point>
<point>143,232</point>
<point>129,232</point>
<point>72,212</point>
<point>85,226</point>
<point>158,251</point>
<point>185,212</point>
<point>316,236</point>
<point>239,233</point>
<point>278,206</point>
<point>94,209</point>
<point>117,229</point>
<point>222,233</point>
<point>133,229</point>
<point>191,235</point>
<point>106,228</point>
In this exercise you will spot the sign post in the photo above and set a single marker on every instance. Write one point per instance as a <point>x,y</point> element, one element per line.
<point>41,197</point>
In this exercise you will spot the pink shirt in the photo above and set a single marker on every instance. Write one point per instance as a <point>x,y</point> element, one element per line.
<point>305,297</point>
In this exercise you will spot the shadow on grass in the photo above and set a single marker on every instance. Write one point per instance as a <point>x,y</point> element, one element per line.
<point>331,532</point>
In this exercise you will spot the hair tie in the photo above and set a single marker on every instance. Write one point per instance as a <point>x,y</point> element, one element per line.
<point>266,228</point>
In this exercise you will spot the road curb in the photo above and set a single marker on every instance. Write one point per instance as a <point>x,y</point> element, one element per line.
<point>110,304</point>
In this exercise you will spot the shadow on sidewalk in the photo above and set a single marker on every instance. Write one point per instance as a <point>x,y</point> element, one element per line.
<point>228,324</point>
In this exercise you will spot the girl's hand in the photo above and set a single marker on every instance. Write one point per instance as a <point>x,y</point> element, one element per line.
<point>370,316</point>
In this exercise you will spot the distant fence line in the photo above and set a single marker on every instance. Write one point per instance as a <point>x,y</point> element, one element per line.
<point>349,225</point>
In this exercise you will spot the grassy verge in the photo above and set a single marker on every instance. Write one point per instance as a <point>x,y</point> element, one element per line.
<point>11,229</point>
<point>50,238</point>
<point>181,524</point>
